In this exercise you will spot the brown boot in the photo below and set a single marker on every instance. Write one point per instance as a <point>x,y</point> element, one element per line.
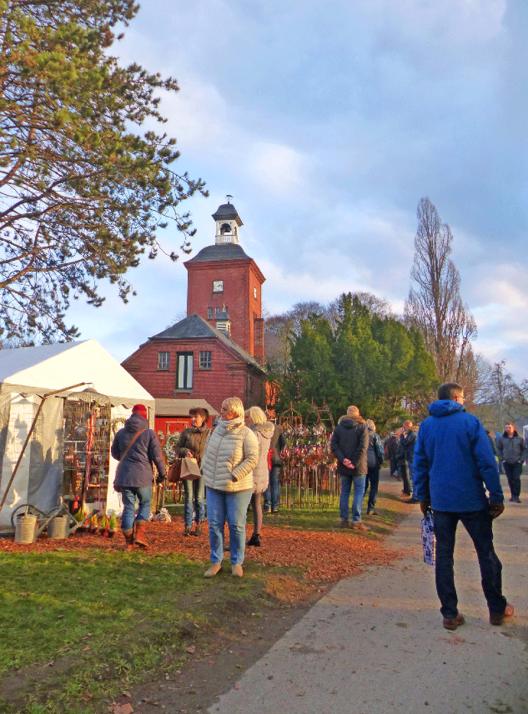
<point>140,534</point>
<point>129,538</point>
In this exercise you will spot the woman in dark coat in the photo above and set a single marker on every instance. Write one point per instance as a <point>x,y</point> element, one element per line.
<point>137,449</point>
<point>192,443</point>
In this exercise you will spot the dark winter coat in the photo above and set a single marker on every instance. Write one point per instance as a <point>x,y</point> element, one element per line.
<point>350,440</point>
<point>375,455</point>
<point>391,446</point>
<point>453,461</point>
<point>136,467</point>
<point>277,445</point>
<point>194,440</point>
<point>511,449</point>
<point>407,444</point>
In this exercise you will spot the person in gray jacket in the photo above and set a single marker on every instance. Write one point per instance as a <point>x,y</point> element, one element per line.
<point>137,449</point>
<point>512,452</point>
<point>257,421</point>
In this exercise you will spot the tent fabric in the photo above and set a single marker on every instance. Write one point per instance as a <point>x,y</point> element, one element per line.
<point>50,367</point>
<point>45,456</point>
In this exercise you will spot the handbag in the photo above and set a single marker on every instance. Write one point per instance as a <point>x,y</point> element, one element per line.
<point>174,473</point>
<point>428,538</point>
<point>189,470</point>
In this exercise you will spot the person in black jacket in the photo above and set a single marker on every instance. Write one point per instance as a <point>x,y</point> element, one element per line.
<point>272,493</point>
<point>192,443</point>
<point>406,456</point>
<point>349,444</point>
<point>137,448</point>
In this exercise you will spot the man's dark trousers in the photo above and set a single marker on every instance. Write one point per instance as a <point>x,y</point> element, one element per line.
<point>479,526</point>
<point>513,474</point>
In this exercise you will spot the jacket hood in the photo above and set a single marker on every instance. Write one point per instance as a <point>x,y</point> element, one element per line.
<point>350,422</point>
<point>507,436</point>
<point>445,407</point>
<point>136,423</point>
<point>265,429</point>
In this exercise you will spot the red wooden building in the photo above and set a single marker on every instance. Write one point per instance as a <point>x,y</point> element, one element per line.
<point>218,349</point>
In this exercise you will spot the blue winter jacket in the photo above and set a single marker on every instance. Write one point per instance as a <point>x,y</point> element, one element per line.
<point>453,460</point>
<point>135,470</point>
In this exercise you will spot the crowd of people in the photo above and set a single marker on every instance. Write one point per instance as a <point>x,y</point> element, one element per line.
<point>446,466</point>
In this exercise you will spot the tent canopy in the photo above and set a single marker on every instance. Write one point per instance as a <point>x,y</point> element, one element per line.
<point>48,368</point>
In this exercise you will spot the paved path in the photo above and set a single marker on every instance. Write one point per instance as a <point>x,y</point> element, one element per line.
<point>375,643</point>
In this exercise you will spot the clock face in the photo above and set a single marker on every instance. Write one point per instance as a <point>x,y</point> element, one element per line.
<point>218,286</point>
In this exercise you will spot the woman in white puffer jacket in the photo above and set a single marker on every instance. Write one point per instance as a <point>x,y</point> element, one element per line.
<point>230,456</point>
<point>258,423</point>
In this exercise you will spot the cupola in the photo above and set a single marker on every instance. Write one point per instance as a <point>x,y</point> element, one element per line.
<point>227,223</point>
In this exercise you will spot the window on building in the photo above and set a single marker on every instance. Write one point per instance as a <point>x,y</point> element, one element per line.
<point>163,360</point>
<point>209,313</point>
<point>206,360</point>
<point>184,370</point>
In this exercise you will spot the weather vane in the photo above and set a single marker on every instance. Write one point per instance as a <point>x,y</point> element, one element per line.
<point>229,197</point>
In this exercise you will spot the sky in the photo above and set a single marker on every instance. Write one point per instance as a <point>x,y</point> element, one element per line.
<point>327,122</point>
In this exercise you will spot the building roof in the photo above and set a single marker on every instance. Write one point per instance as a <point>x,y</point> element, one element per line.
<point>48,368</point>
<point>180,407</point>
<point>220,251</point>
<point>195,327</point>
<point>227,212</point>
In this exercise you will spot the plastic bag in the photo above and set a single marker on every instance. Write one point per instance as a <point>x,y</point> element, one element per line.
<point>428,538</point>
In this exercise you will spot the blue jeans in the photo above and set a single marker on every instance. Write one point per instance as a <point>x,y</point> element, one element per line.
<point>359,490</point>
<point>272,493</point>
<point>194,501</point>
<point>372,484</point>
<point>129,495</point>
<point>225,506</point>
<point>479,526</point>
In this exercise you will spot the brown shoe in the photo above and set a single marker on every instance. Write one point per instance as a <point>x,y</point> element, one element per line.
<point>213,570</point>
<point>451,623</point>
<point>358,526</point>
<point>129,538</point>
<point>237,571</point>
<point>139,537</point>
<point>497,618</point>
<point>344,523</point>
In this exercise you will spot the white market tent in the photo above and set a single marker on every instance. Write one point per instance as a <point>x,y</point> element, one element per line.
<point>27,374</point>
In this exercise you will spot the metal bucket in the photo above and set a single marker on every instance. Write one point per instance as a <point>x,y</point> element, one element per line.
<point>25,528</point>
<point>58,528</point>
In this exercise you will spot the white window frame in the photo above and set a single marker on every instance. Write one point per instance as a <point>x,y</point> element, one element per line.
<point>163,361</point>
<point>184,370</point>
<point>205,362</point>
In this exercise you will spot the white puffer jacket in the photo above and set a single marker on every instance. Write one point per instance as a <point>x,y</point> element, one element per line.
<point>264,433</point>
<point>230,456</point>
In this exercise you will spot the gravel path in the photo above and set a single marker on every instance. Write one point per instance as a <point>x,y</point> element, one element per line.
<point>375,643</point>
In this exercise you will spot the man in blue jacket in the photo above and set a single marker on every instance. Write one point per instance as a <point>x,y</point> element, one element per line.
<point>453,464</point>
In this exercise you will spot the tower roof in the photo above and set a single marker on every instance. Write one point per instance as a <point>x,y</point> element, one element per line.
<point>220,251</point>
<point>227,212</point>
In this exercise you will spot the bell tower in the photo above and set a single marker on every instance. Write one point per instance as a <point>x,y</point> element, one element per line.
<point>225,284</point>
<point>227,223</point>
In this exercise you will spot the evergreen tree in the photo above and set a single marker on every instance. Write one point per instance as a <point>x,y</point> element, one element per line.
<point>86,181</point>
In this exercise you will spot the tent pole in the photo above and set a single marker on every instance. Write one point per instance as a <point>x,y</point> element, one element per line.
<point>28,437</point>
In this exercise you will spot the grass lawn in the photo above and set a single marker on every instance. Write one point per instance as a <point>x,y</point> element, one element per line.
<point>79,627</point>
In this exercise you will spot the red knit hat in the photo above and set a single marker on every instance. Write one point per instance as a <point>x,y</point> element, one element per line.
<point>140,409</point>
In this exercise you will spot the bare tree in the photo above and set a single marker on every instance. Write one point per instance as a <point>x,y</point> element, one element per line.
<point>434,304</point>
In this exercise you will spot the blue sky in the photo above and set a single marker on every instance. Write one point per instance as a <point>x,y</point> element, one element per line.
<point>328,121</point>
